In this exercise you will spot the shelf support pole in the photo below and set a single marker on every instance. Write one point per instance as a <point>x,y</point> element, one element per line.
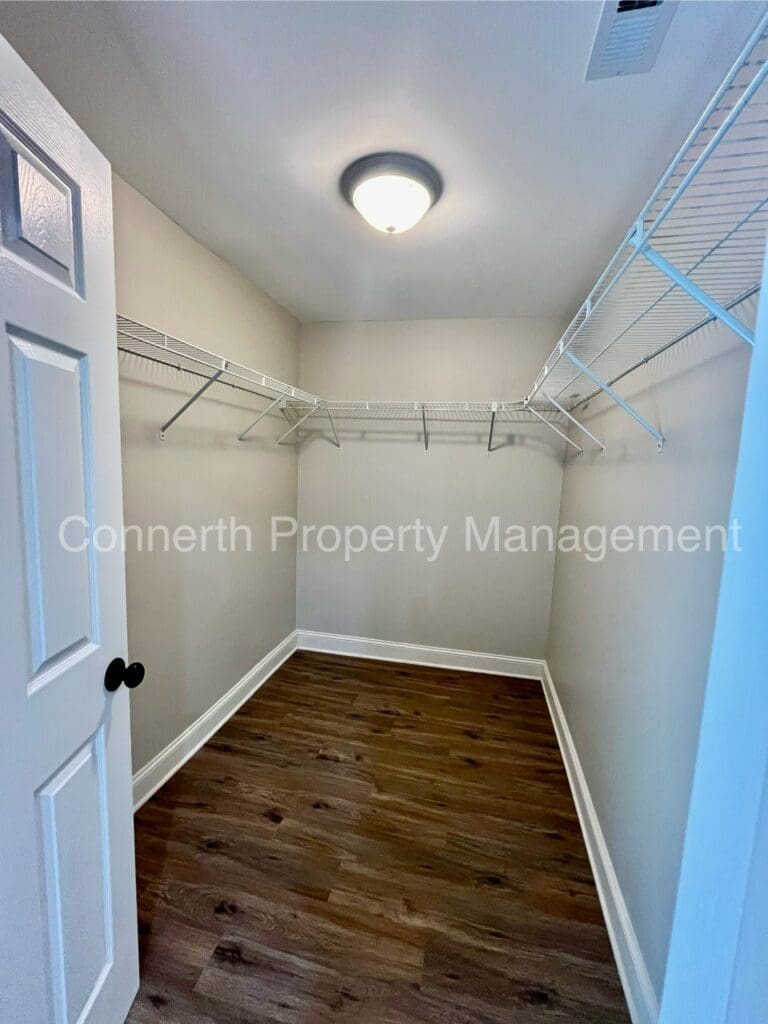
<point>490,432</point>
<point>190,401</point>
<point>424,426</point>
<point>333,428</point>
<point>576,423</point>
<point>617,399</point>
<point>557,430</point>
<point>260,417</point>
<point>687,285</point>
<point>296,425</point>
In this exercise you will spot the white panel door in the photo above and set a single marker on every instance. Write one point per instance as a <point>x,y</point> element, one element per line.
<point>68,947</point>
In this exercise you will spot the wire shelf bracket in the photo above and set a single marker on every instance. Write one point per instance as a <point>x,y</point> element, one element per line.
<point>259,418</point>
<point>191,401</point>
<point>689,286</point>
<point>557,430</point>
<point>569,416</point>
<point>296,425</point>
<point>490,431</point>
<point>608,390</point>
<point>333,427</point>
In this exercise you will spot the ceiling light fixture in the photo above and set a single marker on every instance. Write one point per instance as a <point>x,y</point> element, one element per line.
<point>392,191</point>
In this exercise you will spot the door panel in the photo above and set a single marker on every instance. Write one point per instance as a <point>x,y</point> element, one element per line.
<point>68,936</point>
<point>74,842</point>
<point>51,402</point>
<point>40,209</point>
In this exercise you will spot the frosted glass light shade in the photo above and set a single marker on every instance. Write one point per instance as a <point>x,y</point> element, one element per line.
<point>391,202</point>
<point>391,191</point>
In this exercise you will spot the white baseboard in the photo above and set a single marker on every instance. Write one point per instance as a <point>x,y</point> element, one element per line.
<point>417,654</point>
<point>152,776</point>
<point>638,988</point>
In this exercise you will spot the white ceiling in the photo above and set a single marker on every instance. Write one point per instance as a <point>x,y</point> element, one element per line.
<point>237,119</point>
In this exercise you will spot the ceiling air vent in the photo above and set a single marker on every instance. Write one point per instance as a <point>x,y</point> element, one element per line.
<point>629,37</point>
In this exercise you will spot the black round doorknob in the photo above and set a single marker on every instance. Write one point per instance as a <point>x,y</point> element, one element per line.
<point>134,675</point>
<point>114,674</point>
<point>118,673</point>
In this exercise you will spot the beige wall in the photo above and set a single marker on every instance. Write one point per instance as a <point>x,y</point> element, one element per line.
<point>630,637</point>
<point>199,621</point>
<point>481,602</point>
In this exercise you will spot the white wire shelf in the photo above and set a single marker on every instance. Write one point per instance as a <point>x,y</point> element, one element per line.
<point>426,414</point>
<point>694,252</point>
<point>463,412</point>
<point>152,344</point>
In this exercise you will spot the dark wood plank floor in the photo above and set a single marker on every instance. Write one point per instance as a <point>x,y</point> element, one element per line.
<point>374,843</point>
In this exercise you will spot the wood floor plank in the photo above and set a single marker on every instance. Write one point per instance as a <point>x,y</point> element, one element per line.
<point>377,843</point>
